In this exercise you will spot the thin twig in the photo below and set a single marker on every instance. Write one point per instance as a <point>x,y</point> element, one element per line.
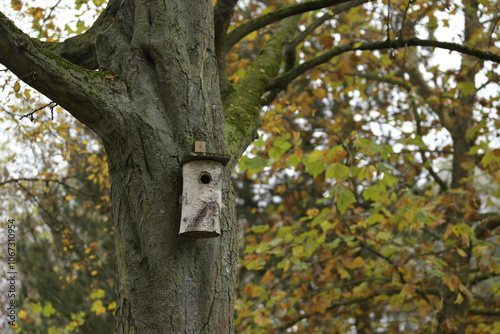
<point>404,18</point>
<point>51,105</point>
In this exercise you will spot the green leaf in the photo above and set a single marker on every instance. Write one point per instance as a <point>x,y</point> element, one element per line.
<point>384,235</point>
<point>36,307</point>
<point>314,163</point>
<point>373,192</point>
<point>416,140</point>
<point>489,158</point>
<point>48,310</point>
<point>337,171</point>
<point>98,308</point>
<point>254,164</point>
<point>256,264</point>
<point>293,160</point>
<point>467,87</point>
<point>281,145</point>
<point>97,294</point>
<point>374,219</point>
<point>333,244</point>
<point>260,228</point>
<point>299,266</point>
<point>366,172</point>
<point>344,198</point>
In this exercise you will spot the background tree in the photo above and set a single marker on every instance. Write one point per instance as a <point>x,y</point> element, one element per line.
<point>169,73</point>
<point>65,244</point>
<point>382,224</point>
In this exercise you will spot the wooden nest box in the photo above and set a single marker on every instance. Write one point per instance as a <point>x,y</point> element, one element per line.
<point>202,175</point>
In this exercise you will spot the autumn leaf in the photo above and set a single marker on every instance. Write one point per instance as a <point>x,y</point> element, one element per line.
<point>22,314</point>
<point>48,310</point>
<point>268,276</point>
<point>98,308</point>
<point>112,76</point>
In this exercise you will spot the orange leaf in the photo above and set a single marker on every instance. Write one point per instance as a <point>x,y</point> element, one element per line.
<point>112,76</point>
<point>268,276</point>
<point>451,282</point>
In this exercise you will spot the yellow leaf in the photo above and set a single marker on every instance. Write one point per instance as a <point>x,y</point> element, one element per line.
<point>440,307</point>
<point>461,252</point>
<point>451,282</point>
<point>98,308</point>
<point>312,212</point>
<point>94,272</point>
<point>48,310</point>
<point>22,314</point>
<point>252,36</point>
<point>357,45</point>
<point>463,289</point>
<point>69,197</point>
<point>17,87</point>
<point>268,276</point>
<point>320,92</point>
<point>343,273</point>
<point>250,290</point>
<point>449,230</point>
<point>459,299</point>
<point>357,263</point>
<point>16,5</point>
<point>112,306</point>
<point>321,303</point>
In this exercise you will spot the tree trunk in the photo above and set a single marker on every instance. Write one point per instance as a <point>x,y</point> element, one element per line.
<point>156,92</point>
<point>166,283</point>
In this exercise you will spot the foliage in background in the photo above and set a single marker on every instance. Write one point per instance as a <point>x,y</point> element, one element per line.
<point>55,184</point>
<point>370,201</point>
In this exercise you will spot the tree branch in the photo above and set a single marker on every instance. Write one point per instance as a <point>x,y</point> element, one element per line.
<point>19,181</point>
<point>50,105</point>
<point>223,12</point>
<point>418,124</point>
<point>285,79</point>
<point>84,93</point>
<point>375,77</point>
<point>240,32</point>
<point>489,313</point>
<point>491,224</point>
<point>242,112</point>
<point>334,305</point>
<point>81,50</point>
<point>319,21</point>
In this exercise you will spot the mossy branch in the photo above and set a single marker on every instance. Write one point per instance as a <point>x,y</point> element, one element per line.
<point>86,94</point>
<point>242,105</point>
